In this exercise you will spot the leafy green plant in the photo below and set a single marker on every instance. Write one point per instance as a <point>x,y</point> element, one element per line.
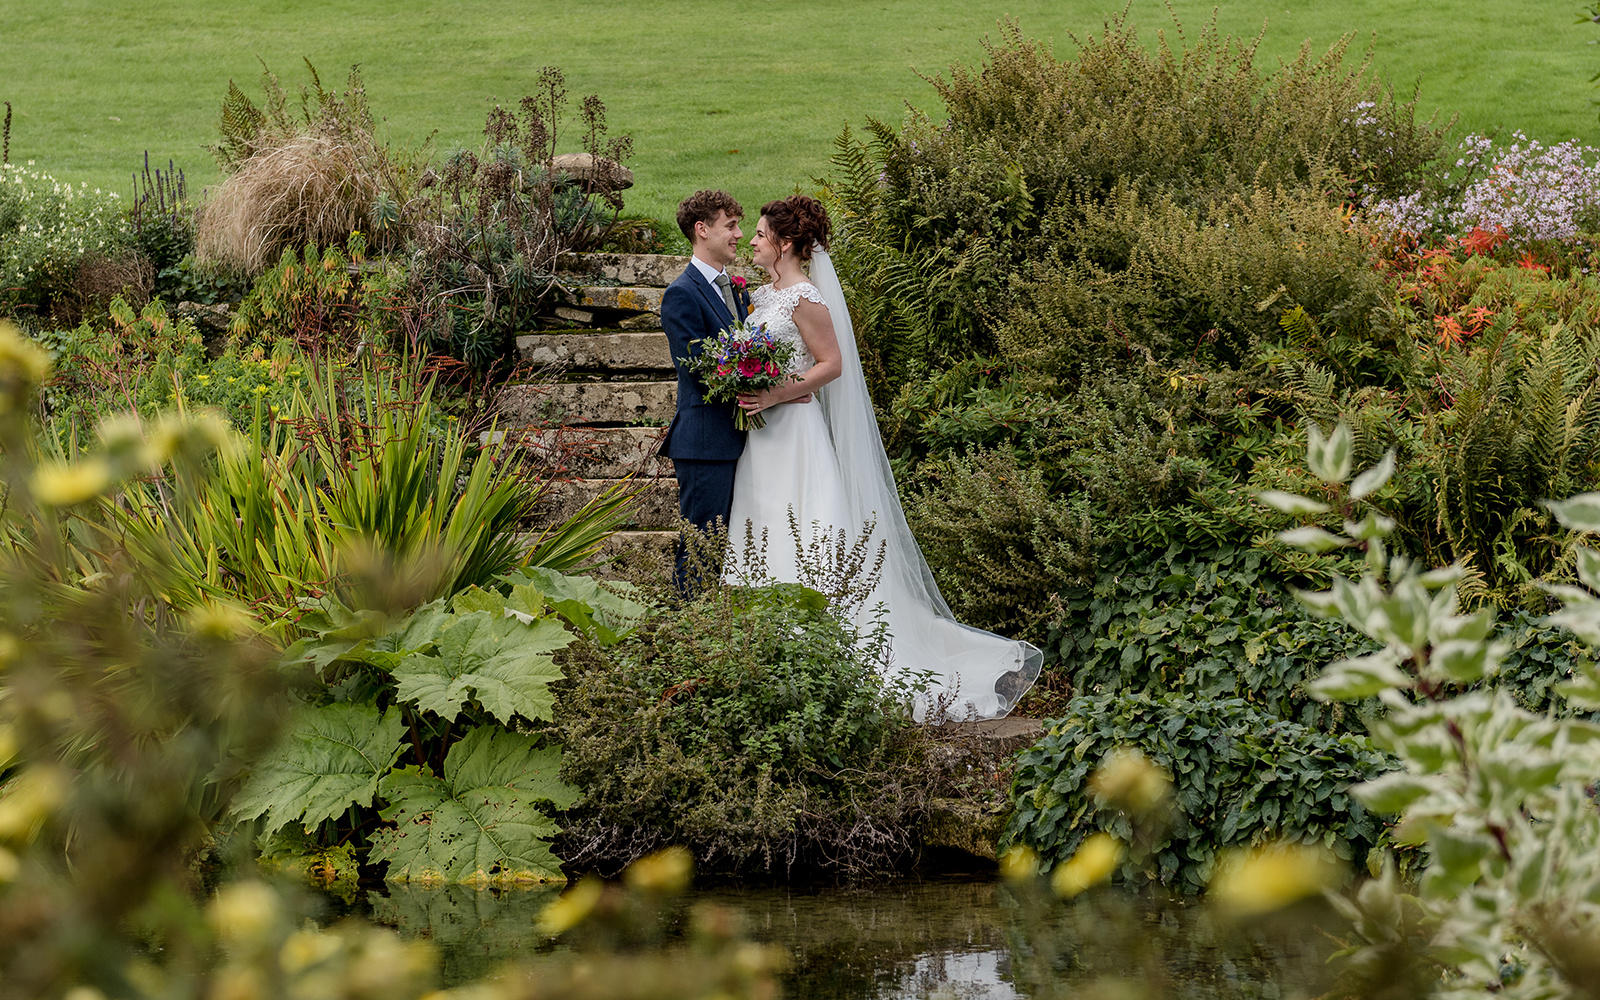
<point>63,247</point>
<point>353,471</point>
<point>1241,776</point>
<point>1501,797</point>
<point>147,361</point>
<point>123,731</point>
<point>312,177</point>
<point>1000,545</point>
<point>485,258</point>
<point>751,726</point>
<point>318,299</point>
<point>452,688</point>
<point>1209,622</point>
<point>1015,221</point>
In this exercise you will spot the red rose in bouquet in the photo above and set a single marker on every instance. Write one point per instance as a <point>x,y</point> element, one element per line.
<point>738,360</point>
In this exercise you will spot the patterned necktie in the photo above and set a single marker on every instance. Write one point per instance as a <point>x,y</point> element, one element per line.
<point>726,285</point>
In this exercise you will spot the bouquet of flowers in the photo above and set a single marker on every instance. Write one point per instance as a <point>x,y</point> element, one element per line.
<point>741,359</point>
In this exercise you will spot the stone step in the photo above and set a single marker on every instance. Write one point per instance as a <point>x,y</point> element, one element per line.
<point>651,544</point>
<point>638,269</point>
<point>577,403</point>
<point>656,509</point>
<point>615,298</point>
<point>582,350</point>
<point>596,452</point>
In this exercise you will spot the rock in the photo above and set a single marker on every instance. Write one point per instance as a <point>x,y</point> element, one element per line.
<point>589,403</point>
<point>209,319</point>
<point>610,352</point>
<point>593,173</point>
<point>961,825</point>
<point>571,315</point>
<point>654,269</point>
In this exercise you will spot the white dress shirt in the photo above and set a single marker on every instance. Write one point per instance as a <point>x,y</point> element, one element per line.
<point>708,272</point>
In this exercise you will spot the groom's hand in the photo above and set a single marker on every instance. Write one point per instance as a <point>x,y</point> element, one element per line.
<point>802,399</point>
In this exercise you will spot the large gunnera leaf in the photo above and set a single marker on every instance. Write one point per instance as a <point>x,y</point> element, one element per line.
<point>330,758</point>
<point>502,662</point>
<point>483,823</point>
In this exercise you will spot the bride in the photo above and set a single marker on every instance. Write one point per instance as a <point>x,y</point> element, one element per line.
<point>820,467</point>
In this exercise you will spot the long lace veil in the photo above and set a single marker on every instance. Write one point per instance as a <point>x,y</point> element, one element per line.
<point>980,673</point>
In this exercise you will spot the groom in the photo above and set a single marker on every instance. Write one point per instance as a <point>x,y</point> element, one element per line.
<point>702,442</point>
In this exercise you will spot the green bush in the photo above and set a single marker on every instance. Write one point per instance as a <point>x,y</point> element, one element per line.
<point>1208,623</point>
<point>1185,184</point>
<point>348,477</point>
<point>750,725</point>
<point>1241,776</point>
<point>63,248</point>
<point>999,542</point>
<point>454,687</point>
<point>483,260</point>
<point>148,361</point>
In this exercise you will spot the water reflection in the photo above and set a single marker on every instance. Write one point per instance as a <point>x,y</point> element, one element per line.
<point>965,939</point>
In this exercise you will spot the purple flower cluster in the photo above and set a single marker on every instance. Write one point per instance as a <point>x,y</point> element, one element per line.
<point>1531,191</point>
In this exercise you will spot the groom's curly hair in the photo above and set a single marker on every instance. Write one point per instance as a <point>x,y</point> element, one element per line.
<point>705,206</point>
<point>800,221</point>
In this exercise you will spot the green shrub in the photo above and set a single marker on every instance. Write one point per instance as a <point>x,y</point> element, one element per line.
<point>63,248</point>
<point>999,542</point>
<point>347,472</point>
<point>1063,175</point>
<point>1241,776</point>
<point>1146,273</point>
<point>1208,623</point>
<point>149,361</point>
<point>454,687</point>
<point>483,259</point>
<point>750,726</point>
<point>324,301</point>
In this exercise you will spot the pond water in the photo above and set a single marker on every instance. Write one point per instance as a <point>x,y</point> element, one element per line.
<point>948,938</point>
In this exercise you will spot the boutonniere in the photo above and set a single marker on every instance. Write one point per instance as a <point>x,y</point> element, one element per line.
<point>738,282</point>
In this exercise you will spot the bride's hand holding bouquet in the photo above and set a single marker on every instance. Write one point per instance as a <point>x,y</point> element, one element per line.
<point>741,361</point>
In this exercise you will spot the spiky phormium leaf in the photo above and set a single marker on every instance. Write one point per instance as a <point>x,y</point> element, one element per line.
<point>482,823</point>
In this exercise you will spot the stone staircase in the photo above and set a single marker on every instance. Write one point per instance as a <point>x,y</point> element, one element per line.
<point>603,417</point>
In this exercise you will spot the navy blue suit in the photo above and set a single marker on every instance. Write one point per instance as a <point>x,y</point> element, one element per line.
<point>702,442</point>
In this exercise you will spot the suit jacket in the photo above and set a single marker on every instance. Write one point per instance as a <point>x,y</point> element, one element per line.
<point>692,309</point>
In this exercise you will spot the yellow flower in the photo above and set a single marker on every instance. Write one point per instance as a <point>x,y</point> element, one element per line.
<point>9,866</point>
<point>219,620</point>
<point>306,948</point>
<point>1254,881</point>
<point>1128,780</point>
<point>22,362</point>
<point>665,871</point>
<point>244,913</point>
<point>28,801</point>
<point>571,908</point>
<point>60,484</point>
<point>1019,864</point>
<point>1097,858</point>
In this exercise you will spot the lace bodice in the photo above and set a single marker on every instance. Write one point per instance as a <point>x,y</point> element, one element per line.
<point>774,307</point>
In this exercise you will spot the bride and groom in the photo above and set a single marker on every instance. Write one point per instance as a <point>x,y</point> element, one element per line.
<point>818,462</point>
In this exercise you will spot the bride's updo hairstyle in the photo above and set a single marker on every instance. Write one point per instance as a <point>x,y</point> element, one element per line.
<point>800,221</point>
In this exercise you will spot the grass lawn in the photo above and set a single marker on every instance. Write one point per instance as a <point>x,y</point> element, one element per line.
<point>742,96</point>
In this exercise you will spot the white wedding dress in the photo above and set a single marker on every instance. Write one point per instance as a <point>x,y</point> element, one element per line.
<point>819,469</point>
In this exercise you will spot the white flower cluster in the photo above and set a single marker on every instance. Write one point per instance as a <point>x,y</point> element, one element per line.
<point>1531,191</point>
<point>47,226</point>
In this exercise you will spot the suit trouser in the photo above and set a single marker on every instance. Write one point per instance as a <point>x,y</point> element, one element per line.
<point>705,496</point>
